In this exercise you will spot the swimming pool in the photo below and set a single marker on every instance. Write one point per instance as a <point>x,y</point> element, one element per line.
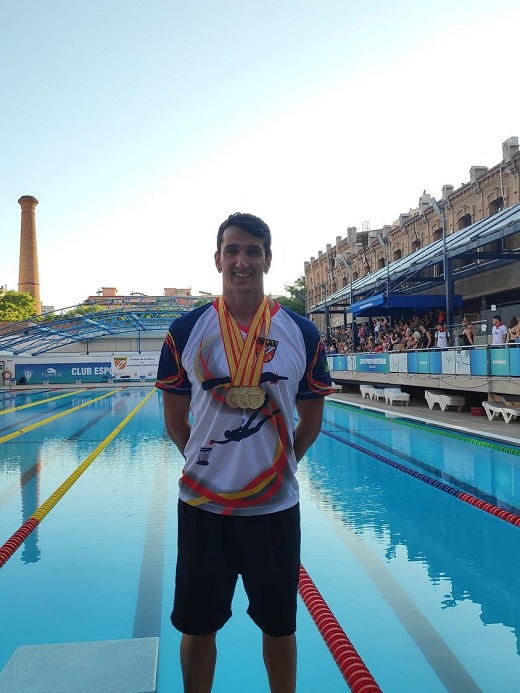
<point>425,584</point>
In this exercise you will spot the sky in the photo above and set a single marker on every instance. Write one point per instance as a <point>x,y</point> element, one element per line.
<point>140,126</point>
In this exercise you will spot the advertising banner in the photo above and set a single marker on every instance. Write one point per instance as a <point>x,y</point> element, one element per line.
<point>135,365</point>
<point>499,361</point>
<point>56,372</point>
<point>373,363</point>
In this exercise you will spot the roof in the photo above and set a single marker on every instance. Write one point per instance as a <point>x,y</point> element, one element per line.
<point>398,275</point>
<point>51,331</point>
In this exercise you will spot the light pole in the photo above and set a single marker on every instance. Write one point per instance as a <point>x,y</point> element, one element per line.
<point>326,307</point>
<point>348,263</point>
<point>384,242</point>
<point>439,209</point>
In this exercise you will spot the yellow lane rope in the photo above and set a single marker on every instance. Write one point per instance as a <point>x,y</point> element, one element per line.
<point>40,401</point>
<point>10,436</point>
<point>62,490</point>
<point>16,540</point>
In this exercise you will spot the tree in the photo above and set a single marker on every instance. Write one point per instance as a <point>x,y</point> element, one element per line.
<point>297,296</point>
<point>16,306</point>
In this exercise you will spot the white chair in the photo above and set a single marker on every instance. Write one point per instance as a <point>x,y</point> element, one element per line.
<point>366,391</point>
<point>372,392</point>
<point>395,394</point>
<point>444,400</point>
<point>496,409</point>
<point>336,387</point>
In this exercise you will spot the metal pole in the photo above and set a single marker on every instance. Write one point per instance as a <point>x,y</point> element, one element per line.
<point>446,271</point>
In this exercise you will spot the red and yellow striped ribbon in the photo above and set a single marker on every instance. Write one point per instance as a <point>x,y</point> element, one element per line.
<point>245,366</point>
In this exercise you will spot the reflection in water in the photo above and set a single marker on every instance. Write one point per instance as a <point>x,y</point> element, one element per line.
<point>473,550</point>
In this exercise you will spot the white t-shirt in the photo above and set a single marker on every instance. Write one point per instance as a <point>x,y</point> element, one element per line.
<point>241,461</point>
<point>499,333</point>
<point>441,339</point>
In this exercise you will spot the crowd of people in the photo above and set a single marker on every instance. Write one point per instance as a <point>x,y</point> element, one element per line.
<point>406,334</point>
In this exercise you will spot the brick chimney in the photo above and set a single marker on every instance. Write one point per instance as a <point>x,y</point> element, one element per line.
<point>28,277</point>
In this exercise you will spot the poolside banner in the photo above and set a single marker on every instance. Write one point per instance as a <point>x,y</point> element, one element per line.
<point>135,365</point>
<point>58,372</point>
<point>499,357</point>
<point>373,363</point>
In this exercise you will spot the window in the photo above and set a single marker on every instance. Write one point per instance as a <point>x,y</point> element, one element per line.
<point>465,221</point>
<point>496,206</point>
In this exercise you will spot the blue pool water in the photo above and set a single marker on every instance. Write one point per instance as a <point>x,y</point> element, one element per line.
<point>426,586</point>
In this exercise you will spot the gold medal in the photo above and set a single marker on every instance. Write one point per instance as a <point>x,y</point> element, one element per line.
<point>245,356</point>
<point>230,397</point>
<point>245,397</point>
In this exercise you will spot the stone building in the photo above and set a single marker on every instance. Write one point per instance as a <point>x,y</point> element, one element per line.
<point>361,253</point>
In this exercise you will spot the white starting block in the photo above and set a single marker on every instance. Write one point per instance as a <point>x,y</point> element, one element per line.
<point>105,666</point>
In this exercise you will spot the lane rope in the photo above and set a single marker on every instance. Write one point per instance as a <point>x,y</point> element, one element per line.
<point>450,490</point>
<point>353,669</point>
<point>21,534</point>
<point>40,401</point>
<point>10,436</point>
<point>437,430</point>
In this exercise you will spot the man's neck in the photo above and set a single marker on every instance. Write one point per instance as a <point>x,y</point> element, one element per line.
<point>243,306</point>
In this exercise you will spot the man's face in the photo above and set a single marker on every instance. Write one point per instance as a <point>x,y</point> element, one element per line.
<point>495,321</point>
<point>242,260</point>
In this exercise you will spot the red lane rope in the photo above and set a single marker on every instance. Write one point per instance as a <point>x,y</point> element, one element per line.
<point>352,667</point>
<point>17,539</point>
<point>491,509</point>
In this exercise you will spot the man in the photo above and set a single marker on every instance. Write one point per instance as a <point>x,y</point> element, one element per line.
<point>441,337</point>
<point>240,365</point>
<point>499,331</point>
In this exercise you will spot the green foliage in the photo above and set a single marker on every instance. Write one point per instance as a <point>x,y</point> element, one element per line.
<point>16,305</point>
<point>297,296</point>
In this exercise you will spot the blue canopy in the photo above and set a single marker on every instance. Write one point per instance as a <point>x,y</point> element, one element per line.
<point>380,304</point>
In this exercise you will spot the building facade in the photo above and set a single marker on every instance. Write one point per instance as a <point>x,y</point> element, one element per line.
<point>360,253</point>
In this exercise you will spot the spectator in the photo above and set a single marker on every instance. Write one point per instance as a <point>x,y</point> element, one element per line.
<point>426,339</point>
<point>513,330</point>
<point>499,331</point>
<point>441,336</point>
<point>467,333</point>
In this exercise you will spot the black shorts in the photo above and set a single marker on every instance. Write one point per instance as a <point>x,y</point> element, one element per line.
<point>214,549</point>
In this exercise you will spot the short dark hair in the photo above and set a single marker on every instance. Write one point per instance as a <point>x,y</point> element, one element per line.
<point>497,317</point>
<point>248,222</point>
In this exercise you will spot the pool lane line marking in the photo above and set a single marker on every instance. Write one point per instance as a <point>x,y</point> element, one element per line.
<point>21,534</point>
<point>450,490</point>
<point>352,667</point>
<point>10,436</point>
<point>443,661</point>
<point>40,401</point>
<point>148,608</point>
<point>435,428</point>
<point>464,486</point>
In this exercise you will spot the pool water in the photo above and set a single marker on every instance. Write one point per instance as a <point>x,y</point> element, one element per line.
<point>425,585</point>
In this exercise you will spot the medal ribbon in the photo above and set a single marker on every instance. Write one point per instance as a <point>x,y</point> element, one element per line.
<point>245,368</point>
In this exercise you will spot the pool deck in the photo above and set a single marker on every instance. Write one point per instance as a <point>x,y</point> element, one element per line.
<point>418,410</point>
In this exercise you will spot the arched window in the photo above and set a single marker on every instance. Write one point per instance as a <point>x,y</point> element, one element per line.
<point>398,254</point>
<point>496,206</point>
<point>464,221</point>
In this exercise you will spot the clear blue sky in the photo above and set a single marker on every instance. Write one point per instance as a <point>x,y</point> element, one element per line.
<point>140,126</point>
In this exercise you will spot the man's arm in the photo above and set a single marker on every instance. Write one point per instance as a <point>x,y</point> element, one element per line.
<point>310,416</point>
<point>176,418</point>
